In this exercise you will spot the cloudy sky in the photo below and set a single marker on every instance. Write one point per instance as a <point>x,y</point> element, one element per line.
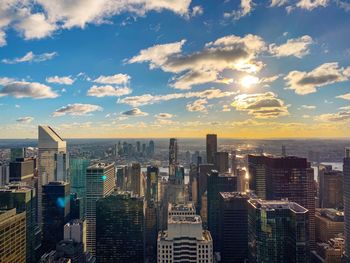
<point>183,68</point>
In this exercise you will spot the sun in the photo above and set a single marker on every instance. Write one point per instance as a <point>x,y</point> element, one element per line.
<point>248,81</point>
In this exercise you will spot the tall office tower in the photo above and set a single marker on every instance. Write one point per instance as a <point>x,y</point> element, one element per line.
<point>184,240</point>
<point>138,147</point>
<point>151,147</point>
<point>4,174</point>
<point>221,162</point>
<point>346,192</point>
<point>76,230</point>
<point>77,167</point>
<point>56,213</point>
<point>62,167</point>
<point>277,232</point>
<point>172,157</point>
<point>289,177</point>
<point>23,199</point>
<point>329,224</point>
<point>188,157</point>
<point>193,184</point>
<point>212,147</point>
<point>179,174</point>
<point>100,182</point>
<point>330,187</point>
<point>152,183</point>
<point>234,164</point>
<point>13,236</point>
<point>50,144</point>
<point>22,169</point>
<point>194,157</point>
<point>17,153</point>
<point>120,228</point>
<point>217,183</point>
<point>203,171</point>
<point>122,172</point>
<point>204,208</point>
<point>151,230</point>
<point>163,203</point>
<point>233,227</point>
<point>134,177</point>
<point>242,180</point>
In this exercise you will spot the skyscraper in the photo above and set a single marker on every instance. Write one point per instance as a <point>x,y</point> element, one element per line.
<point>134,178</point>
<point>78,168</point>
<point>172,156</point>
<point>217,183</point>
<point>233,227</point>
<point>24,198</point>
<point>17,153</point>
<point>4,174</point>
<point>22,169</point>
<point>203,171</point>
<point>277,232</point>
<point>275,178</point>
<point>152,183</point>
<point>184,240</point>
<point>330,187</point>
<point>56,213</point>
<point>221,162</point>
<point>120,228</point>
<point>122,172</point>
<point>100,182</point>
<point>50,144</point>
<point>346,191</point>
<point>151,147</point>
<point>212,147</point>
<point>12,236</point>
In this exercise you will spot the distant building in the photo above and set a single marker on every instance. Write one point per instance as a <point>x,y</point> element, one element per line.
<point>12,236</point>
<point>16,153</point>
<point>329,224</point>
<point>203,172</point>
<point>151,230</point>
<point>184,240</point>
<point>212,147</point>
<point>100,182</point>
<point>217,183</point>
<point>330,187</point>
<point>277,232</point>
<point>120,228</point>
<point>24,199</point>
<point>76,207</point>
<point>4,174</point>
<point>173,151</point>
<point>22,169</point>
<point>221,162</point>
<point>152,183</point>
<point>56,213</point>
<point>75,230</point>
<point>275,178</point>
<point>122,172</point>
<point>346,192</point>
<point>233,227</point>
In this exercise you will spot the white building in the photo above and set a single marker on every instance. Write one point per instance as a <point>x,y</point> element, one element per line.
<point>185,240</point>
<point>76,230</point>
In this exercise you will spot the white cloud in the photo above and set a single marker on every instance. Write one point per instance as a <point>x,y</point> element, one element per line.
<point>108,91</point>
<point>148,99</point>
<point>343,5</point>
<point>307,82</point>
<point>66,80</point>
<point>298,47</point>
<point>31,57</point>
<point>246,6</point>
<point>261,105</point>
<point>25,120</point>
<point>119,79</point>
<point>197,105</point>
<point>23,89</point>
<point>41,18</point>
<point>344,96</point>
<point>308,107</point>
<point>135,112</point>
<point>312,4</point>
<point>340,116</point>
<point>77,109</point>
<point>229,52</point>
<point>197,11</point>
<point>6,80</point>
<point>164,116</point>
<point>278,3</point>
<point>226,108</point>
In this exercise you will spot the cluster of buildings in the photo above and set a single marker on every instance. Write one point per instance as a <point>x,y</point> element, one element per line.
<point>60,208</point>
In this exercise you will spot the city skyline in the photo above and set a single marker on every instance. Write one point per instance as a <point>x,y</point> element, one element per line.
<point>161,69</point>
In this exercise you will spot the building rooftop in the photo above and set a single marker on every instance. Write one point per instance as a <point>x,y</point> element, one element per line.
<point>100,165</point>
<point>17,187</point>
<point>331,214</point>
<point>184,207</point>
<point>185,220</point>
<point>231,195</point>
<point>270,205</point>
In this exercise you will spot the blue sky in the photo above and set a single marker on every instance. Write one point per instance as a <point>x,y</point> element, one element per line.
<point>147,68</point>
